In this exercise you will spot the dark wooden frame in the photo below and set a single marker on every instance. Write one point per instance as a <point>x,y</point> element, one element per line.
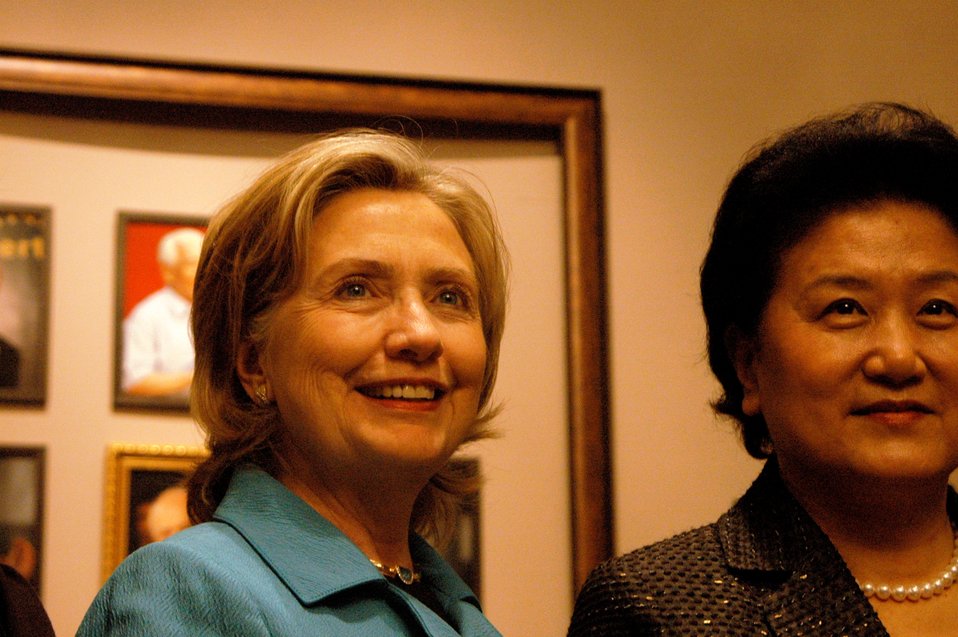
<point>122,399</point>
<point>38,456</point>
<point>261,99</point>
<point>31,389</point>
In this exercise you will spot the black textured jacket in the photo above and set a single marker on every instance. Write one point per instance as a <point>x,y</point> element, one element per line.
<point>765,568</point>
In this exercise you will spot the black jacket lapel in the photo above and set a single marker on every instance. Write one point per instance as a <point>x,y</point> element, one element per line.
<point>798,576</point>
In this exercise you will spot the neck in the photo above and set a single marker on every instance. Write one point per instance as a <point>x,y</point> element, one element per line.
<point>376,517</point>
<point>888,530</point>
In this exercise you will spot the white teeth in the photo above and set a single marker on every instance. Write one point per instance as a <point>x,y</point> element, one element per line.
<point>421,392</point>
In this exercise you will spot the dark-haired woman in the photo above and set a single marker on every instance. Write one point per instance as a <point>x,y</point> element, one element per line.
<point>830,291</point>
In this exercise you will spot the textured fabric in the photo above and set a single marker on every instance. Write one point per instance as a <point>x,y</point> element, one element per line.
<point>764,568</point>
<point>21,613</point>
<point>270,565</point>
<point>156,337</point>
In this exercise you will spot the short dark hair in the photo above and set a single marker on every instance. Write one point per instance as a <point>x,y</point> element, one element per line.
<point>787,186</point>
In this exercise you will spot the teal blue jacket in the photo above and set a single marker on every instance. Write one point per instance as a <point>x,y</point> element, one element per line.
<point>268,564</point>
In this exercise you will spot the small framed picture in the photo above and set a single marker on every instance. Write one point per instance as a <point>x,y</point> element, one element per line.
<point>24,303</point>
<point>156,264</point>
<point>463,549</point>
<point>21,510</point>
<point>145,498</point>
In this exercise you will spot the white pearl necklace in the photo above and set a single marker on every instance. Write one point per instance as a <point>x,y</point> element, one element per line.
<point>916,592</point>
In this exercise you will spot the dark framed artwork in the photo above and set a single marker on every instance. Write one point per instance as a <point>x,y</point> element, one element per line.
<point>218,98</point>
<point>21,510</point>
<point>24,303</point>
<point>463,551</point>
<point>145,497</point>
<point>156,263</point>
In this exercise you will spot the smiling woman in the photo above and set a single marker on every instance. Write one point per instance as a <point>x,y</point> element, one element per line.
<point>830,291</point>
<point>347,317</point>
<point>375,361</point>
<point>854,367</point>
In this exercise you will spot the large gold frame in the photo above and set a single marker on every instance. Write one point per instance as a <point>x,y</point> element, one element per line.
<point>258,99</point>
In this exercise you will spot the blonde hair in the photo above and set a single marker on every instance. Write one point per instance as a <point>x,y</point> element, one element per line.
<point>254,257</point>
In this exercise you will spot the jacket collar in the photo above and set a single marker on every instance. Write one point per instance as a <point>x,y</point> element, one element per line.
<point>308,553</point>
<point>767,530</point>
<point>799,576</point>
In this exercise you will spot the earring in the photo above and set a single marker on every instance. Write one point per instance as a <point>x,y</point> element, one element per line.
<point>262,394</point>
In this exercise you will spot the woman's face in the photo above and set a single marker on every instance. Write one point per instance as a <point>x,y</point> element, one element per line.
<point>855,366</point>
<point>378,358</point>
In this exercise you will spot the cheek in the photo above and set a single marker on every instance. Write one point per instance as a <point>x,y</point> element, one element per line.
<point>796,380</point>
<point>799,358</point>
<point>307,344</point>
<point>466,352</point>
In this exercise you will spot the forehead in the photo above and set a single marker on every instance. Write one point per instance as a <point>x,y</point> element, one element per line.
<point>387,223</point>
<point>883,235</point>
<point>190,250</point>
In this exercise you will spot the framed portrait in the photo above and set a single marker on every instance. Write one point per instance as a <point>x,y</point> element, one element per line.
<point>156,262</point>
<point>145,497</point>
<point>21,510</point>
<point>24,303</point>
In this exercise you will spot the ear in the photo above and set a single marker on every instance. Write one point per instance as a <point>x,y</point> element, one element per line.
<point>250,370</point>
<point>743,350</point>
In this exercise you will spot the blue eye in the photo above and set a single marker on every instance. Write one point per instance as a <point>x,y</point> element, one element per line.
<point>450,297</point>
<point>353,290</point>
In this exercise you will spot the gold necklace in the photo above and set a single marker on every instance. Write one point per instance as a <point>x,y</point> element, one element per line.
<point>405,575</point>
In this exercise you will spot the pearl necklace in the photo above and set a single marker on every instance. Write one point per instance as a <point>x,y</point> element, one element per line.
<point>405,575</point>
<point>916,592</point>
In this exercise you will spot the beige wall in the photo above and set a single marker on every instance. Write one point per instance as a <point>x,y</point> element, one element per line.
<point>687,88</point>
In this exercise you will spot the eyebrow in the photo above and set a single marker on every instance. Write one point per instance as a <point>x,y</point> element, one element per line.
<point>363,266</point>
<point>374,268</point>
<point>839,280</point>
<point>939,276</point>
<point>859,283</point>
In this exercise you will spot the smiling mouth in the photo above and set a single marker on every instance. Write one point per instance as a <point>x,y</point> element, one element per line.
<point>403,392</point>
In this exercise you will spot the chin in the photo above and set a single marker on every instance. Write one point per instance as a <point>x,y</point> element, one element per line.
<point>909,469</point>
<point>414,453</point>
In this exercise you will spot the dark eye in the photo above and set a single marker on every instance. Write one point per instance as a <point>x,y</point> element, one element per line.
<point>844,313</point>
<point>844,307</point>
<point>937,307</point>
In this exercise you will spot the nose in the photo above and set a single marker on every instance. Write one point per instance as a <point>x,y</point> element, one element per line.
<point>413,334</point>
<point>895,358</point>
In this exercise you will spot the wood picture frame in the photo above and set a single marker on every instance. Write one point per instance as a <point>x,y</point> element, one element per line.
<point>148,308</point>
<point>24,303</point>
<point>22,478</point>
<point>138,478</point>
<point>297,101</point>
